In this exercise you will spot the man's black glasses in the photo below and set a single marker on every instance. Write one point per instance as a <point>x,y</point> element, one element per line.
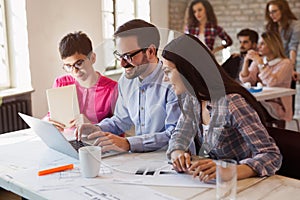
<point>126,56</point>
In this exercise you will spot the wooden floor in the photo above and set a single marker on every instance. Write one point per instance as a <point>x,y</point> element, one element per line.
<point>6,195</point>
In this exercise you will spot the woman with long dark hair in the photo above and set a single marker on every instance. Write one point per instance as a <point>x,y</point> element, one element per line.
<point>201,21</point>
<point>282,20</point>
<point>220,119</point>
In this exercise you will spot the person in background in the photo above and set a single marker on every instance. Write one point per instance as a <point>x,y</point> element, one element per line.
<point>201,22</point>
<point>144,100</point>
<point>248,40</point>
<point>272,68</point>
<point>281,19</point>
<point>224,116</point>
<point>96,93</point>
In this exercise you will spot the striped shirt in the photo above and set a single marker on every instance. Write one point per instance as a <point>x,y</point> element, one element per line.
<point>235,132</point>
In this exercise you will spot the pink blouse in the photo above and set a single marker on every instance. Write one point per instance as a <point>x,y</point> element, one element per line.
<point>96,102</point>
<point>276,74</point>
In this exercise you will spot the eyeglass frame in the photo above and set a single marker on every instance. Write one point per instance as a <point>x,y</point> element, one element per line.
<point>127,56</point>
<point>71,67</point>
<point>272,12</point>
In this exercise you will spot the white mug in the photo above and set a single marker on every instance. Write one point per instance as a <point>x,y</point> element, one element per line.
<point>90,159</point>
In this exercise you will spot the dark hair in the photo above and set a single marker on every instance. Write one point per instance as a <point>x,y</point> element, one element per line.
<point>145,32</point>
<point>286,16</point>
<point>190,19</point>
<point>253,35</point>
<point>76,42</point>
<point>202,75</point>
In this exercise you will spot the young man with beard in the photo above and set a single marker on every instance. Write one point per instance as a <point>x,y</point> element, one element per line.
<point>144,100</point>
<point>248,40</point>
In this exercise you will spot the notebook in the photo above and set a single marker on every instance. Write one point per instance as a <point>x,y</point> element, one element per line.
<point>63,104</point>
<point>54,139</point>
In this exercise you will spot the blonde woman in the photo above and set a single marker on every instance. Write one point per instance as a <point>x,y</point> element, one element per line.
<point>272,68</point>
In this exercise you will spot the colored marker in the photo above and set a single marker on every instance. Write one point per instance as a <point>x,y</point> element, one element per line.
<point>55,169</point>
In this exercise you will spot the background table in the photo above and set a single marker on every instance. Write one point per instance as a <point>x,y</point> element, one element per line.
<point>273,92</point>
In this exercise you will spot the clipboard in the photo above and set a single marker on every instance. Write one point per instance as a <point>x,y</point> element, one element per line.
<point>63,104</point>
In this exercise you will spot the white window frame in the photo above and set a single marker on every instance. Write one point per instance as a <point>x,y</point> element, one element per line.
<point>4,58</point>
<point>137,13</point>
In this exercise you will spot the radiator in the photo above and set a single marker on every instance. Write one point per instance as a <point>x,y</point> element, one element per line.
<point>9,118</point>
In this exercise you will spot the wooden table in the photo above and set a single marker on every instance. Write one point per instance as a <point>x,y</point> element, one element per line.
<point>22,154</point>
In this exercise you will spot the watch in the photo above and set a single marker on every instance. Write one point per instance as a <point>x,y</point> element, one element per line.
<point>262,66</point>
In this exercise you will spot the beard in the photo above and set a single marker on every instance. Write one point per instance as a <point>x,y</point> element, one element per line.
<point>132,71</point>
<point>243,53</point>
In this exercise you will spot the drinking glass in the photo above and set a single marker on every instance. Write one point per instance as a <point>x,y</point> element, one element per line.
<point>226,179</point>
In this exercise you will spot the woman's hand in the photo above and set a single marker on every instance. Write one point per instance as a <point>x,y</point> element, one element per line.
<point>181,160</point>
<point>253,55</point>
<point>296,76</point>
<point>205,168</point>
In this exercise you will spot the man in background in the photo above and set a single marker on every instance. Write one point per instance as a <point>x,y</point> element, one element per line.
<point>248,40</point>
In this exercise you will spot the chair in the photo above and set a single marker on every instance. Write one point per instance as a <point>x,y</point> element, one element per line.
<point>232,66</point>
<point>289,144</point>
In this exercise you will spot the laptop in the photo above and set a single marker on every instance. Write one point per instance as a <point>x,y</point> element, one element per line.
<point>54,139</point>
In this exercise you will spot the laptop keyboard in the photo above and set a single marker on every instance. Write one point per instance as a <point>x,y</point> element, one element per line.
<point>77,144</point>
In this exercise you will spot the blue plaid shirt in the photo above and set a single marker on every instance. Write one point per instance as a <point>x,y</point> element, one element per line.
<point>235,132</point>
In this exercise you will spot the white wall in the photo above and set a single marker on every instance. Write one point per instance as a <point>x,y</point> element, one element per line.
<point>48,21</point>
<point>159,13</point>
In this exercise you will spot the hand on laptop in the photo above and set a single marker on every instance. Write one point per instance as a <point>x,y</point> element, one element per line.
<point>85,129</point>
<point>109,141</point>
<point>106,140</point>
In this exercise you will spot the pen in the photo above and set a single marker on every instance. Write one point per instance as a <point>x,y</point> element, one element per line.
<point>55,169</point>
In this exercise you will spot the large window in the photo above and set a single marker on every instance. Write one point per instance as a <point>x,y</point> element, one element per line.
<point>114,14</point>
<point>117,12</point>
<point>4,69</point>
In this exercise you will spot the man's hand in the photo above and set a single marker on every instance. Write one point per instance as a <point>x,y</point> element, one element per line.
<point>181,160</point>
<point>85,130</point>
<point>109,141</point>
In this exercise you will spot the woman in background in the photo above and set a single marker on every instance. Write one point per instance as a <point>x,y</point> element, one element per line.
<point>271,67</point>
<point>219,116</point>
<point>282,20</point>
<point>201,22</point>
